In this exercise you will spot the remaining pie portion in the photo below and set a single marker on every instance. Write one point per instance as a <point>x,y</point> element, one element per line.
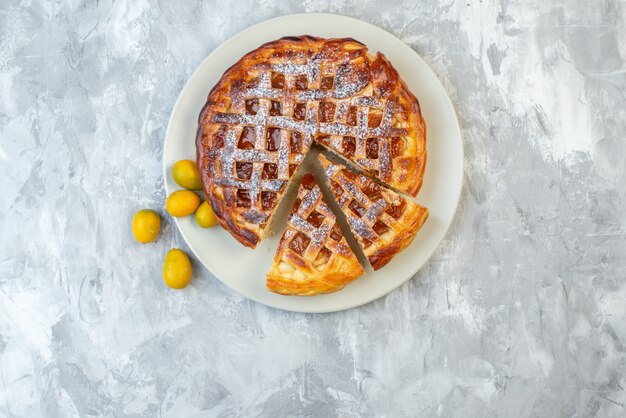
<point>383,222</point>
<point>262,116</point>
<point>313,256</point>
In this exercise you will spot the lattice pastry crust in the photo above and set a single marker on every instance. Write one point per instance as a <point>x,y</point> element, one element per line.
<point>260,119</point>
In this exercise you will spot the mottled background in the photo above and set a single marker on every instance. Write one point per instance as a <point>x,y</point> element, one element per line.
<point>520,313</point>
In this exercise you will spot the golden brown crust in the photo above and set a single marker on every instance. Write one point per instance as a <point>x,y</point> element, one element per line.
<point>313,256</point>
<point>412,162</point>
<point>383,222</point>
<point>329,283</point>
<point>413,220</point>
<point>370,86</point>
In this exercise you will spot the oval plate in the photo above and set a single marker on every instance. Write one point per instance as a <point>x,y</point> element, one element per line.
<point>244,269</point>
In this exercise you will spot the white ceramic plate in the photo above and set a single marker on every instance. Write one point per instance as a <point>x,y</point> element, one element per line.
<point>244,269</point>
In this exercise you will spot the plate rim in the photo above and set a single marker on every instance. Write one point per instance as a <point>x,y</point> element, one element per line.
<point>250,30</point>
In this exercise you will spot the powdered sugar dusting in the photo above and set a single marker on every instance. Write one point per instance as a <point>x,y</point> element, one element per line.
<point>350,80</point>
<point>301,224</point>
<point>309,201</point>
<point>360,229</point>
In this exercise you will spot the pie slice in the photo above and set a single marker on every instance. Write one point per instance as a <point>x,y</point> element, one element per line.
<point>313,256</point>
<point>383,222</point>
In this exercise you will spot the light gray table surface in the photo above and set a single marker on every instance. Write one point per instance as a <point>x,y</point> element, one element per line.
<point>521,312</point>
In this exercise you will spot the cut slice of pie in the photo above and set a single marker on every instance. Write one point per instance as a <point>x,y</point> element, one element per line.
<point>313,256</point>
<point>383,222</point>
